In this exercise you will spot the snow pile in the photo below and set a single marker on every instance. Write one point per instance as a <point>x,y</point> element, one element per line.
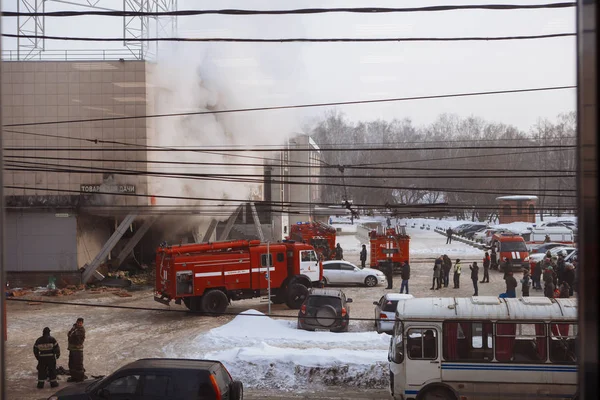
<point>428,243</point>
<point>267,353</point>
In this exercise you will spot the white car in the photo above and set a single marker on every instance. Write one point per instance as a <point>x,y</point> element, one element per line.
<point>535,257</point>
<point>481,235</point>
<point>343,272</point>
<point>385,311</point>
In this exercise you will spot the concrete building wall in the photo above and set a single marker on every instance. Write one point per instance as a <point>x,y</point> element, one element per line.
<point>516,211</point>
<point>305,164</point>
<point>39,91</point>
<point>41,241</point>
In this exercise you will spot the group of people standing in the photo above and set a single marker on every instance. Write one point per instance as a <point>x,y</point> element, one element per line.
<point>441,272</point>
<point>559,277</point>
<point>47,350</point>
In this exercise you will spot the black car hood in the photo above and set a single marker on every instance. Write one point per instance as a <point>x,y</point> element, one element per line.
<point>75,388</point>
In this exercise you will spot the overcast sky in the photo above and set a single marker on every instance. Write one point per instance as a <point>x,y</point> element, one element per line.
<point>278,74</point>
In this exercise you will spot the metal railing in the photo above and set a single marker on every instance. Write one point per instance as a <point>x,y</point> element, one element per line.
<point>73,55</point>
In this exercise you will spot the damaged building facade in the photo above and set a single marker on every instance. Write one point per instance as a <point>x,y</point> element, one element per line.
<point>77,191</point>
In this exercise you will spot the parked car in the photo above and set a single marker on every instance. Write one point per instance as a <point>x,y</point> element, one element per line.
<point>543,248</point>
<point>534,258</point>
<point>479,236</point>
<point>571,257</point>
<point>385,311</point>
<point>343,272</point>
<point>158,379</point>
<point>490,235</point>
<point>325,310</point>
<point>472,231</point>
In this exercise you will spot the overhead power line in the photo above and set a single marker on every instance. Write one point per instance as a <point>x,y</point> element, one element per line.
<point>301,11</point>
<point>310,105</point>
<point>324,149</point>
<point>295,40</point>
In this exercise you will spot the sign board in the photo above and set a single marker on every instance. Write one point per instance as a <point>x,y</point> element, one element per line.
<point>114,188</point>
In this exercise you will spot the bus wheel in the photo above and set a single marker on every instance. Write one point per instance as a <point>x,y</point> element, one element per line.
<point>214,302</point>
<point>437,394</point>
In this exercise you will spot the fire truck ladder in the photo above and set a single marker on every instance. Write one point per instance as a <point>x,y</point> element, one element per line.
<point>210,230</point>
<point>90,269</point>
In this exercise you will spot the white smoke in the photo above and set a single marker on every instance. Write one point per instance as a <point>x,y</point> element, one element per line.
<point>193,77</point>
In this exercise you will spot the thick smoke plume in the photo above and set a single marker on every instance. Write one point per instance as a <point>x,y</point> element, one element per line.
<point>185,79</point>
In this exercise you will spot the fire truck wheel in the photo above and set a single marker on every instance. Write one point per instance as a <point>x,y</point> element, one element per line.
<point>296,295</point>
<point>214,302</point>
<point>370,281</point>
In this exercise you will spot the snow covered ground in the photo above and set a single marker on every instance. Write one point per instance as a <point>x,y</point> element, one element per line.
<point>273,354</point>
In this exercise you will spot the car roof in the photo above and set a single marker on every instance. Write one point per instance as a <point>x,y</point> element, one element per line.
<point>337,262</point>
<point>170,363</point>
<point>398,296</point>
<point>326,292</point>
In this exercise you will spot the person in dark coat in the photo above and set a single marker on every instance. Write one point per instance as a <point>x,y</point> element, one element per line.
<point>494,259</point>
<point>46,351</point>
<point>475,277</point>
<point>511,285</point>
<point>560,267</point>
<point>76,337</point>
<point>506,266</point>
<point>339,252</point>
<point>437,272</point>
<point>564,290</point>
<point>486,268</point>
<point>449,233</point>
<point>457,268</point>
<point>569,277</point>
<point>446,267</point>
<point>525,283</point>
<point>363,256</point>
<point>536,276</point>
<point>388,270</point>
<point>405,274</point>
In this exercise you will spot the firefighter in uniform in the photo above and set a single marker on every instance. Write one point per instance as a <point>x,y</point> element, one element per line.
<point>76,337</point>
<point>46,352</point>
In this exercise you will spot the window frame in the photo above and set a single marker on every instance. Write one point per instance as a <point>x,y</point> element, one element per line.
<point>484,349</point>
<point>523,337</point>
<point>573,336</point>
<point>264,257</point>
<point>423,329</point>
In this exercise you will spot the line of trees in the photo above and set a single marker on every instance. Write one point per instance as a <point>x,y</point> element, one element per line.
<point>554,187</point>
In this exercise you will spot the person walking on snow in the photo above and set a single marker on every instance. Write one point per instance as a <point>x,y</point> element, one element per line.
<point>486,268</point>
<point>457,268</point>
<point>46,351</point>
<point>475,277</point>
<point>339,253</point>
<point>525,283</point>
<point>363,256</point>
<point>76,337</point>
<point>494,259</point>
<point>449,233</point>
<point>437,271</point>
<point>511,285</point>
<point>405,274</point>
<point>446,267</point>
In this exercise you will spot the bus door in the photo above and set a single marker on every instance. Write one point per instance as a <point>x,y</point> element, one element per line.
<point>423,361</point>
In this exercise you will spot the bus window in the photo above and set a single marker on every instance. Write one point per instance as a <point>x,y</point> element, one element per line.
<point>562,343</point>
<point>520,343</point>
<point>422,343</point>
<point>468,341</point>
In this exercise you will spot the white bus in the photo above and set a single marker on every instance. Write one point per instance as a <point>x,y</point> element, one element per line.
<point>484,348</point>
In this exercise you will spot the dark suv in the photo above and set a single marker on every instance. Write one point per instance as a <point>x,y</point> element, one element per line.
<point>158,379</point>
<point>325,310</point>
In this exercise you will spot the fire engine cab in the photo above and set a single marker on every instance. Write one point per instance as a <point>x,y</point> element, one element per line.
<point>513,247</point>
<point>319,235</point>
<point>207,276</point>
<point>390,246</point>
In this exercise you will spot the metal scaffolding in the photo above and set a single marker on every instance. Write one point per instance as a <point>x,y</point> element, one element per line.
<point>134,28</point>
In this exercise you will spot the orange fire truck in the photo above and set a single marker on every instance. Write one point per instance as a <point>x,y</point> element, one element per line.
<point>390,246</point>
<point>207,276</point>
<point>319,235</point>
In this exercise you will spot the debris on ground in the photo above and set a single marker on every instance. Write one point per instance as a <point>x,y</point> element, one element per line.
<point>17,292</point>
<point>123,294</point>
<point>33,303</point>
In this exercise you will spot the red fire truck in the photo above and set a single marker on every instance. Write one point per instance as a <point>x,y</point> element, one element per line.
<point>319,235</point>
<point>207,276</point>
<point>391,246</point>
